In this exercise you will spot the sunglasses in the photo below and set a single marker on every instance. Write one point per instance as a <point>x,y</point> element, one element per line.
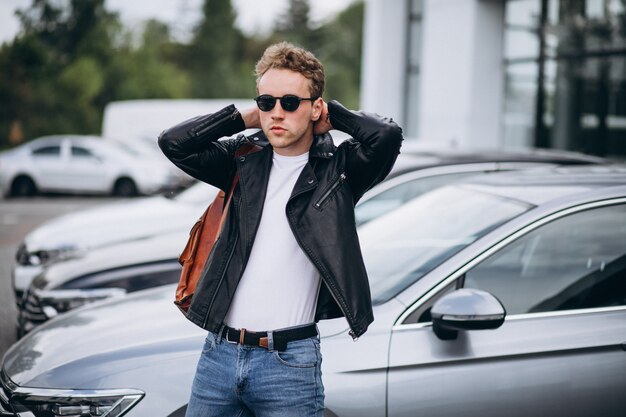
<point>289,102</point>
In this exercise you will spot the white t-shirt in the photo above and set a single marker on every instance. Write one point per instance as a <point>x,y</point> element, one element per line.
<point>280,285</point>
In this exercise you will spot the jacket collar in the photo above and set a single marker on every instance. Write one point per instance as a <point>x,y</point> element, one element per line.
<point>323,145</point>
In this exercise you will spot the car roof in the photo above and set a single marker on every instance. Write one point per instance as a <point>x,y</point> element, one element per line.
<point>414,156</point>
<point>539,185</point>
<point>418,148</point>
<point>57,139</point>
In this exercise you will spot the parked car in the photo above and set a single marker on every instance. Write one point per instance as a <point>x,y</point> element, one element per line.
<point>83,165</point>
<point>75,234</point>
<point>180,180</point>
<point>501,295</point>
<point>107,272</point>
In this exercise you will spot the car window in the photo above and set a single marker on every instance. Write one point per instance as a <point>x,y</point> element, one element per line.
<point>127,148</point>
<point>577,261</point>
<point>394,197</point>
<point>53,150</point>
<point>401,247</point>
<point>81,152</point>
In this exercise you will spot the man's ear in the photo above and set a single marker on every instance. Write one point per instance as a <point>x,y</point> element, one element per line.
<point>318,105</point>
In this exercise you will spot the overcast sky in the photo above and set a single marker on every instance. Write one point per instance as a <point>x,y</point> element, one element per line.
<point>252,16</point>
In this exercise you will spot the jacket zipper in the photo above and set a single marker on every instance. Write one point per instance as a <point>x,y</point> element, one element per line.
<point>295,234</point>
<point>230,256</point>
<point>232,251</point>
<point>330,190</point>
<point>217,123</point>
<point>219,284</point>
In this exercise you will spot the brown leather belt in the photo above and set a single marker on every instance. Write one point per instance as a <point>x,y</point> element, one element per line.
<point>271,340</point>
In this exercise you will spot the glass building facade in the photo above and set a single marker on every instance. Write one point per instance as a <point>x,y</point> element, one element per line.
<point>565,75</point>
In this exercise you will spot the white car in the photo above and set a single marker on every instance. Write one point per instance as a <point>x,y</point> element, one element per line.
<point>80,164</point>
<point>75,234</point>
<point>177,179</point>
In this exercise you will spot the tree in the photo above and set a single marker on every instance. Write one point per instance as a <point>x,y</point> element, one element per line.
<point>53,69</point>
<point>70,60</point>
<point>295,26</point>
<point>146,71</point>
<point>340,50</point>
<point>213,58</point>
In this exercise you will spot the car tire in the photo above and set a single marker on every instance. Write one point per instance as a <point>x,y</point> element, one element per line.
<point>125,187</point>
<point>23,186</point>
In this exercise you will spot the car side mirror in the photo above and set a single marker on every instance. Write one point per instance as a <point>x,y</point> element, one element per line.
<point>466,309</point>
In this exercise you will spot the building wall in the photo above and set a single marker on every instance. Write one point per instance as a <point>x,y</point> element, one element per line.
<point>460,72</point>
<point>384,58</point>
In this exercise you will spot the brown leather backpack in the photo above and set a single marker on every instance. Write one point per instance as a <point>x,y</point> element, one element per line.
<point>202,237</point>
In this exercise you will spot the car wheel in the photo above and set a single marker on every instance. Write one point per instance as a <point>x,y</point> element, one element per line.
<point>23,186</point>
<point>125,187</point>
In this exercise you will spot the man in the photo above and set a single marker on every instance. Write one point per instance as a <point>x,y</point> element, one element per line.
<point>288,253</point>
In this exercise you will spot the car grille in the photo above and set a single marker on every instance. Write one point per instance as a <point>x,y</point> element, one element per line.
<point>18,296</point>
<point>5,394</point>
<point>31,311</point>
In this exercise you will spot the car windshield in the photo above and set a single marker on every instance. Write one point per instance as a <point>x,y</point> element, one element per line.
<point>402,246</point>
<point>125,147</point>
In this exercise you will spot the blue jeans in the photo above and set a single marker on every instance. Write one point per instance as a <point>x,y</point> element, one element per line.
<point>237,380</point>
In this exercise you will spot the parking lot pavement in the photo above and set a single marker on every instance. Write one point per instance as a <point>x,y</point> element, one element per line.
<point>17,218</point>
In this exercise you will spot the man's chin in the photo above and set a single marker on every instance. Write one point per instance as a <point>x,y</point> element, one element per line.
<point>279,142</point>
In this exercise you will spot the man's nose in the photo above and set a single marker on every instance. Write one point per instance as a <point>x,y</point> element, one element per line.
<point>278,112</point>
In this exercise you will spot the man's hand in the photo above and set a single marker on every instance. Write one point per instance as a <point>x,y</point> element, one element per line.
<point>322,125</point>
<point>251,118</point>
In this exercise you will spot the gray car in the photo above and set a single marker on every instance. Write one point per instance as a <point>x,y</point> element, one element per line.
<point>503,295</point>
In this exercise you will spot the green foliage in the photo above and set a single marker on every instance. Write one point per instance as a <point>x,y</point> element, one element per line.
<point>295,26</point>
<point>341,41</point>
<point>213,57</point>
<point>72,57</point>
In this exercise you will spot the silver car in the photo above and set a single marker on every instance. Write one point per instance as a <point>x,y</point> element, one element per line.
<point>504,295</point>
<point>107,272</point>
<point>81,164</point>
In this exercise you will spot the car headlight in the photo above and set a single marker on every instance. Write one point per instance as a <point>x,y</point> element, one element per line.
<point>39,402</point>
<point>46,256</point>
<point>54,302</point>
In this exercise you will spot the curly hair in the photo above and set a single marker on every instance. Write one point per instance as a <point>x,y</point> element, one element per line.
<point>284,55</point>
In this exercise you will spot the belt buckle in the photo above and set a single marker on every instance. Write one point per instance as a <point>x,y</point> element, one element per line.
<point>242,333</point>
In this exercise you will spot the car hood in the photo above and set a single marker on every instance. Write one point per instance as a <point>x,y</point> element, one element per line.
<point>103,339</point>
<point>79,348</point>
<point>112,223</point>
<point>162,247</point>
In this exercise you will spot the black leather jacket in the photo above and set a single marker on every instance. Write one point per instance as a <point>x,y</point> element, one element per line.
<point>320,210</point>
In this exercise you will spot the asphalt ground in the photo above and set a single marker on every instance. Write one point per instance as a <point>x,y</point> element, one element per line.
<point>17,218</point>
